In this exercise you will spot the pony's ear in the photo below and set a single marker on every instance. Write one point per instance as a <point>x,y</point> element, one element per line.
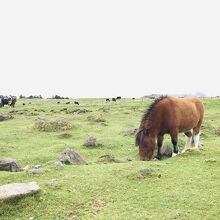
<point>139,137</point>
<point>147,131</point>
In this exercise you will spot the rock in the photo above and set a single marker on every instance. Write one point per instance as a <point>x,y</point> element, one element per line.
<point>146,171</point>
<point>91,142</point>
<point>58,164</point>
<point>107,158</point>
<point>54,183</point>
<point>69,156</point>
<point>13,190</point>
<point>128,159</point>
<point>10,164</point>
<point>36,170</point>
<point>5,117</point>
<point>166,150</point>
<point>130,131</point>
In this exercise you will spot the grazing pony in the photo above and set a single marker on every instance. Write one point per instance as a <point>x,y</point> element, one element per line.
<point>169,115</point>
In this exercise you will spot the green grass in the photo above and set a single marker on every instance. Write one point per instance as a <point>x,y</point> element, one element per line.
<point>184,187</point>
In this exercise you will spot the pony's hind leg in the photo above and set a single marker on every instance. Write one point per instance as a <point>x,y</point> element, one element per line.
<point>188,141</point>
<point>196,137</point>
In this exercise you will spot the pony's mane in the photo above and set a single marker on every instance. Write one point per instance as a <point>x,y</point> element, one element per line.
<point>146,117</point>
<point>147,114</point>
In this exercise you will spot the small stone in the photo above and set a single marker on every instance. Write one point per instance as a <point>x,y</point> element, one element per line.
<point>54,183</point>
<point>90,141</point>
<point>36,170</point>
<point>128,159</point>
<point>58,164</point>
<point>69,156</point>
<point>37,166</point>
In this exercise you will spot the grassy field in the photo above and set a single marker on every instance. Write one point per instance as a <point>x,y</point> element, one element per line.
<point>183,187</point>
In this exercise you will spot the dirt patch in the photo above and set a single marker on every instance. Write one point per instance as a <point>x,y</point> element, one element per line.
<point>98,205</point>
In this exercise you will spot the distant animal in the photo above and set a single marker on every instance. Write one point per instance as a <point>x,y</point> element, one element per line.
<point>58,102</point>
<point>5,100</point>
<point>114,99</point>
<point>169,115</point>
<point>107,100</point>
<point>118,97</point>
<point>13,101</point>
<point>23,104</point>
<point>76,103</point>
<point>67,103</point>
<point>133,98</point>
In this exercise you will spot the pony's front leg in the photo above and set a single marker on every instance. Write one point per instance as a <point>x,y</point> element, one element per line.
<point>159,145</point>
<point>174,139</point>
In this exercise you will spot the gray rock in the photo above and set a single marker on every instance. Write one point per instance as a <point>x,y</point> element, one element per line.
<point>13,190</point>
<point>69,156</point>
<point>36,170</point>
<point>90,141</point>
<point>128,159</point>
<point>58,164</point>
<point>10,164</point>
<point>5,117</point>
<point>130,131</point>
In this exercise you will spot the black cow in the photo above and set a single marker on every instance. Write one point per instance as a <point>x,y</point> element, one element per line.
<point>114,99</point>
<point>76,103</point>
<point>119,97</point>
<point>107,100</point>
<point>67,103</point>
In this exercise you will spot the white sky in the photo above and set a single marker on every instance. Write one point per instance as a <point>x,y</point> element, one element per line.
<point>109,48</point>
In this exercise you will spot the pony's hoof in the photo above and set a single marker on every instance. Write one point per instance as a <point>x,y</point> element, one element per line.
<point>184,151</point>
<point>174,154</point>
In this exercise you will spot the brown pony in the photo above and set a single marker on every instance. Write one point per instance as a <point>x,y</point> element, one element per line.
<point>169,115</point>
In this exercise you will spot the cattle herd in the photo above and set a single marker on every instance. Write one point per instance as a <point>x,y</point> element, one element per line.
<point>11,100</point>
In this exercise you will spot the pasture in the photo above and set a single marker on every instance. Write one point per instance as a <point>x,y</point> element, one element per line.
<point>183,187</point>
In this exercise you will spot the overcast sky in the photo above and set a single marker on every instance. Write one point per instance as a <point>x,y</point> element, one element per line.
<point>109,48</point>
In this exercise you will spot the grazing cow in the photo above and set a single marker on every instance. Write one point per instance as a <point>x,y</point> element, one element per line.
<point>114,99</point>
<point>133,98</point>
<point>58,102</point>
<point>119,97</point>
<point>23,104</point>
<point>76,103</point>
<point>107,100</point>
<point>67,103</point>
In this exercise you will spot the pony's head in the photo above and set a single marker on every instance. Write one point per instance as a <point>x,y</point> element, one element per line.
<point>146,143</point>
